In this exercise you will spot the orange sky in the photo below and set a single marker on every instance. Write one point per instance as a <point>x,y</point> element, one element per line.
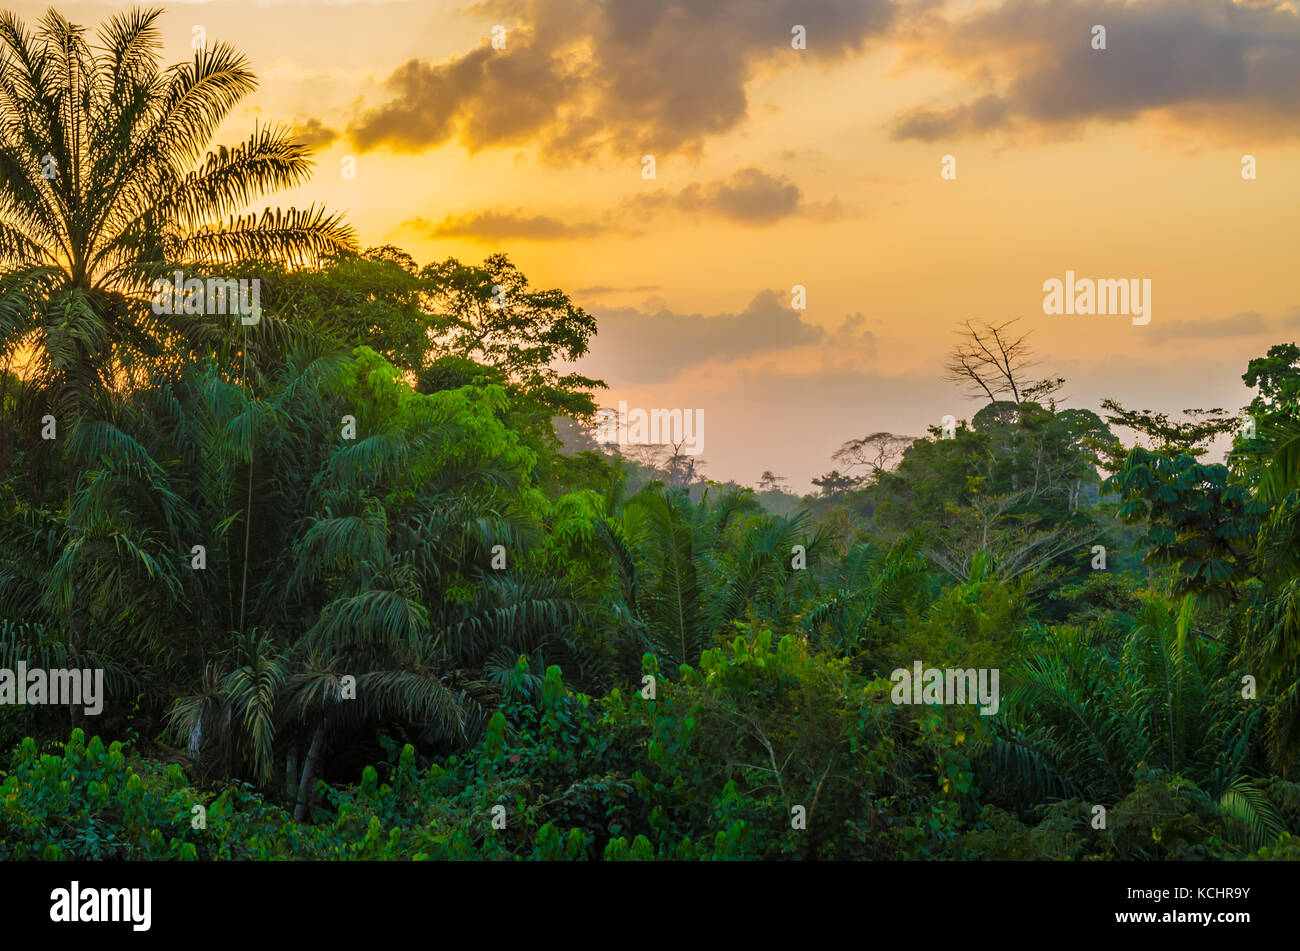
<point>818,167</point>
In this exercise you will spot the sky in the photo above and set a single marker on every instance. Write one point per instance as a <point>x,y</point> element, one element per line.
<point>819,167</point>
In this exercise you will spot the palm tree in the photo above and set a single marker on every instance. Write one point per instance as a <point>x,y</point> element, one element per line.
<point>1273,609</point>
<point>871,591</point>
<point>686,571</point>
<point>104,187</point>
<point>369,559</point>
<point>1082,719</point>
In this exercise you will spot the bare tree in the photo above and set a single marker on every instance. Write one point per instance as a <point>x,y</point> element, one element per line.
<point>678,467</point>
<point>991,359</point>
<point>683,468</point>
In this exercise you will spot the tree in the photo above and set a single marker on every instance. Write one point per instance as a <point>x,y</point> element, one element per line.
<point>1230,536</point>
<point>992,536</point>
<point>1267,450</point>
<point>449,324</point>
<point>671,461</point>
<point>991,360</point>
<point>868,593</point>
<point>999,498</point>
<point>770,482</point>
<point>106,188</point>
<point>876,452</point>
<point>1173,438</point>
<point>1084,720</point>
<point>687,570</point>
<point>370,557</point>
<point>835,484</point>
<point>684,468</point>
<point>491,315</point>
<point>375,299</point>
<point>1277,376</point>
<point>1199,522</point>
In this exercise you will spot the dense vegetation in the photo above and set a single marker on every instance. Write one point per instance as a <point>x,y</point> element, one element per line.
<point>355,598</point>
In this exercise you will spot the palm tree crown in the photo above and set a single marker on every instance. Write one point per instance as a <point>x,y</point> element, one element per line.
<point>104,187</point>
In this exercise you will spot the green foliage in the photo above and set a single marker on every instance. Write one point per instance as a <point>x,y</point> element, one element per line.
<point>1200,523</point>
<point>352,599</point>
<point>122,194</point>
<point>88,802</point>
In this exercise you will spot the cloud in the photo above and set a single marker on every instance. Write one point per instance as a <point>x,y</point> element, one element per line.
<point>1292,318</point>
<point>487,97</point>
<point>1203,63</point>
<point>314,133</point>
<point>1244,324</point>
<point>751,196</point>
<point>853,335</point>
<point>633,346</point>
<point>599,290</point>
<point>590,78</point>
<point>493,226</point>
<point>748,197</point>
<point>929,125</point>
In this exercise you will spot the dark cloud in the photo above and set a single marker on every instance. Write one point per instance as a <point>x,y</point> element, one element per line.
<point>314,133</point>
<point>749,197</point>
<point>929,125</point>
<point>633,346</point>
<point>487,97</point>
<point>1201,61</point>
<point>586,78</point>
<point>492,226</point>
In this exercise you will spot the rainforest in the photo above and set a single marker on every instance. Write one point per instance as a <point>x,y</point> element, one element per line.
<point>363,581</point>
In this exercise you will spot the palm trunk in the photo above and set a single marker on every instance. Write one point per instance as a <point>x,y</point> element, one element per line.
<point>291,773</point>
<point>248,507</point>
<point>309,772</point>
<point>248,534</point>
<point>74,612</point>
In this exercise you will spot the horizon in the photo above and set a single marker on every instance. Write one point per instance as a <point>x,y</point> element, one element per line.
<point>771,174</point>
